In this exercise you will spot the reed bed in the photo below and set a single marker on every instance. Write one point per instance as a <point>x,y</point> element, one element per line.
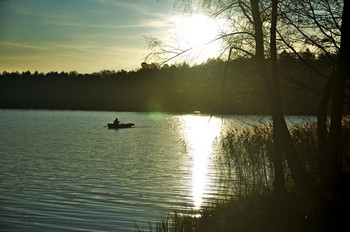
<point>247,155</point>
<point>247,159</point>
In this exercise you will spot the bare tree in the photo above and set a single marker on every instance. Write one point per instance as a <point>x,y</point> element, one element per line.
<point>323,25</point>
<point>332,159</point>
<point>320,26</point>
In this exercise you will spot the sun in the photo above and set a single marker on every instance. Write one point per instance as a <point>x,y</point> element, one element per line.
<point>197,31</point>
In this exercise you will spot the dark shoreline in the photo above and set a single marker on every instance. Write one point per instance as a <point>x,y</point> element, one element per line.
<point>182,88</point>
<point>163,112</point>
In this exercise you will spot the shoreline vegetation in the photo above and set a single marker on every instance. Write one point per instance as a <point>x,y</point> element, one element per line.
<point>255,206</point>
<point>214,87</point>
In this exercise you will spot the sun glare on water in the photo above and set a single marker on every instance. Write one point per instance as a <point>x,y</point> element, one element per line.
<point>200,133</point>
<point>196,31</point>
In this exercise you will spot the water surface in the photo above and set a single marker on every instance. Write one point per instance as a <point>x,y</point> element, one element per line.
<point>65,171</point>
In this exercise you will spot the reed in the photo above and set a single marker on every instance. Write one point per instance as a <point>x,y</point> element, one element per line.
<point>173,222</point>
<point>259,212</point>
<point>248,153</point>
<point>247,161</point>
<point>247,157</point>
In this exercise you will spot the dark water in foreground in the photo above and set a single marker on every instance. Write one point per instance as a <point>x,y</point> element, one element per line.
<point>65,171</point>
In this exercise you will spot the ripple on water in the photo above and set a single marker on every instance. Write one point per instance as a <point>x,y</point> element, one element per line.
<point>65,171</point>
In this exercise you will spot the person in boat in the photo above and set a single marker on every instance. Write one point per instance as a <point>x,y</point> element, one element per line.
<point>116,121</point>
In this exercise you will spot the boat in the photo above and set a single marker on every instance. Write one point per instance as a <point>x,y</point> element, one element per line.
<point>119,125</point>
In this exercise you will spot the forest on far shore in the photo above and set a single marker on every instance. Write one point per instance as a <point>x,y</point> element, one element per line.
<point>216,86</point>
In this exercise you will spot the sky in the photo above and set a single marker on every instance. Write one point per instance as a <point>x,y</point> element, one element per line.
<point>93,35</point>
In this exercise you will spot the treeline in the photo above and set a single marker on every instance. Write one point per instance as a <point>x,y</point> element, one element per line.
<point>215,86</point>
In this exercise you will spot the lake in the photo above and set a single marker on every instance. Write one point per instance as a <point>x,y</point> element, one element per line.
<point>65,171</point>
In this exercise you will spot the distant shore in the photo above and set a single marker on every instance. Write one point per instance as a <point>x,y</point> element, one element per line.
<point>214,87</point>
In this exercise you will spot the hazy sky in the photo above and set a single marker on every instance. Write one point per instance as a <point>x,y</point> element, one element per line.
<point>88,35</point>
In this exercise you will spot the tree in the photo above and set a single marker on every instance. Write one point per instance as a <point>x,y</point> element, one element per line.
<point>324,26</point>
<point>333,156</point>
<point>255,11</point>
<point>282,139</point>
<point>316,25</point>
<point>279,172</point>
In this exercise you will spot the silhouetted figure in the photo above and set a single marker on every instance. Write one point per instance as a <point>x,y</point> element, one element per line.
<point>116,121</point>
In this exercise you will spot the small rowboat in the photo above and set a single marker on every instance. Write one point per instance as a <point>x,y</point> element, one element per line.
<point>119,125</point>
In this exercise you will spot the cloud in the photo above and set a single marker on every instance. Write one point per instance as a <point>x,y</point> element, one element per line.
<point>88,34</point>
<point>141,8</point>
<point>81,57</point>
<point>140,16</point>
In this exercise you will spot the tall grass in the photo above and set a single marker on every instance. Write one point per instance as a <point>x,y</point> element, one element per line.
<point>173,222</point>
<point>247,157</point>
<point>258,212</point>
<point>248,153</point>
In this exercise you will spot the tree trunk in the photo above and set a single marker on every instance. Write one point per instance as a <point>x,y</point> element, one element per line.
<point>322,130</point>
<point>284,140</point>
<point>259,36</point>
<point>333,155</point>
<point>278,166</point>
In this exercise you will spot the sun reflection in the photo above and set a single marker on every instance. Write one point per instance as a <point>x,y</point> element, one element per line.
<point>200,133</point>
